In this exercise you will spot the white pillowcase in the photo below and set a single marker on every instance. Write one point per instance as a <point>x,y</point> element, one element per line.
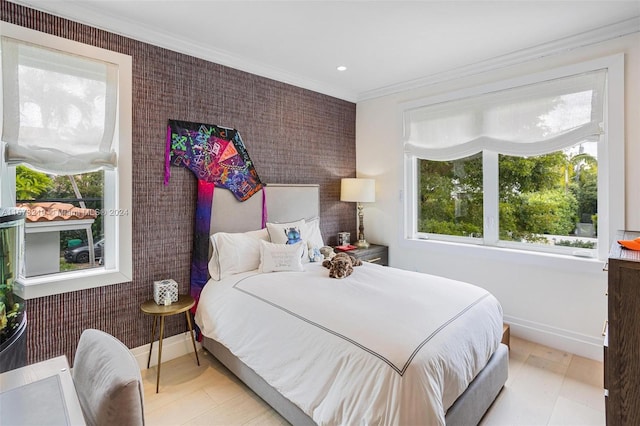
<point>278,234</point>
<point>281,257</point>
<point>314,236</point>
<point>278,231</point>
<point>235,252</point>
<point>309,233</point>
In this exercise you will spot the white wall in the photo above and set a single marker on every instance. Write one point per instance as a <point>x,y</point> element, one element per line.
<point>561,304</point>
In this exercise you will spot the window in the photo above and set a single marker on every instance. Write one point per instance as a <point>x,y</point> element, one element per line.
<point>451,197</point>
<point>65,218</point>
<point>519,164</point>
<point>66,135</point>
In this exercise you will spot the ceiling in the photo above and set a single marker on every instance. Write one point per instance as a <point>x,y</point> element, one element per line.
<point>385,45</point>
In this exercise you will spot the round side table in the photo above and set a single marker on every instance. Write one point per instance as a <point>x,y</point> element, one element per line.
<point>150,307</point>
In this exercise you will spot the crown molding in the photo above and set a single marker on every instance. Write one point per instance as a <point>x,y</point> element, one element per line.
<point>82,12</point>
<point>598,35</point>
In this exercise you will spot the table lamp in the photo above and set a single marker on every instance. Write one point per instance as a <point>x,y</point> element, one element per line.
<point>360,191</point>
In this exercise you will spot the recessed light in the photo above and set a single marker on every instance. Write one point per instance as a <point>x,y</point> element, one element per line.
<point>341,68</point>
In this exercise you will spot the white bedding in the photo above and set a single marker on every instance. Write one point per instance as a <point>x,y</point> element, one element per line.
<point>383,346</point>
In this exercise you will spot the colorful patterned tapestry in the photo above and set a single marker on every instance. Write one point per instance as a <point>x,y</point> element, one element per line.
<point>215,154</point>
<point>218,157</point>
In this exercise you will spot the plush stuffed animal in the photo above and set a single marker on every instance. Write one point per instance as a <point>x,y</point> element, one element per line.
<point>314,253</point>
<point>341,265</point>
<point>327,252</point>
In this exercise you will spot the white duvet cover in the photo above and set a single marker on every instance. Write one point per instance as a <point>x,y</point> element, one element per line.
<point>383,346</point>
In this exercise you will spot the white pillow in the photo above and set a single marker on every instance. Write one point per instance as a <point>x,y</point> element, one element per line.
<point>235,252</point>
<point>309,233</point>
<point>281,257</point>
<point>279,233</point>
<point>313,235</point>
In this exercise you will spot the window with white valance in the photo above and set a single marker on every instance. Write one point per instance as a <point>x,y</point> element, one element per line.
<point>529,120</point>
<point>467,153</point>
<point>59,109</point>
<point>66,153</point>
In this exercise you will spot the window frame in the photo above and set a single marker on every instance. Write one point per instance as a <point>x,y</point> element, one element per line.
<point>117,199</point>
<point>611,192</point>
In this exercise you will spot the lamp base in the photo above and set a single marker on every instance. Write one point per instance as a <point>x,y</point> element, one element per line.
<point>362,244</point>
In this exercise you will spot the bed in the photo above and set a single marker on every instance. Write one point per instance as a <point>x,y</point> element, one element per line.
<point>383,346</point>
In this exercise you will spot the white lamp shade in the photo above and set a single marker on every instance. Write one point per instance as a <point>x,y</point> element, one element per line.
<point>358,190</point>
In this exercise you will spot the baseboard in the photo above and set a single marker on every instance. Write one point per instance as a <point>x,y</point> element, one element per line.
<point>558,338</point>
<point>172,347</point>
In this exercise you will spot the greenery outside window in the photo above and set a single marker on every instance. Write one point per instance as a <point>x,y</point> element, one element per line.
<point>549,200</point>
<point>451,197</point>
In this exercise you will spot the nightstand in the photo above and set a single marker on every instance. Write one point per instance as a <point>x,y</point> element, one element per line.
<point>374,254</point>
<point>150,307</point>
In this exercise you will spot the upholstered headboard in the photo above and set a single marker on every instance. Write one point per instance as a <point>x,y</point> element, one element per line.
<point>285,203</point>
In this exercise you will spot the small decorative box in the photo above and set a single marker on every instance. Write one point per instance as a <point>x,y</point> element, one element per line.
<point>165,292</point>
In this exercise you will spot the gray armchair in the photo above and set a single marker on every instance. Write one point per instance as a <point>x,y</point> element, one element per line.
<point>108,381</point>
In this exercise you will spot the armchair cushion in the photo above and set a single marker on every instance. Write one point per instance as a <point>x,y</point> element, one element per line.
<point>108,381</point>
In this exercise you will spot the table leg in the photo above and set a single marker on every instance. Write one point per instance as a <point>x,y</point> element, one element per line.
<point>193,340</point>
<point>160,352</point>
<point>153,335</point>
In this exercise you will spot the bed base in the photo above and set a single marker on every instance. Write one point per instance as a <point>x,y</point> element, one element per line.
<point>467,410</point>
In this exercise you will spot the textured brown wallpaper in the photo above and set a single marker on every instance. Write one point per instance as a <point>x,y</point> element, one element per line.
<point>293,135</point>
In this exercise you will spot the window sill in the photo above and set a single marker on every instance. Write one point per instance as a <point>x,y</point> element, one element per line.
<point>48,285</point>
<point>502,254</point>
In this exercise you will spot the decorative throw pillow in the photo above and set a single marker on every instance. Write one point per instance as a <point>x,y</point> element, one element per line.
<point>289,233</point>
<point>281,257</point>
<point>282,233</point>
<point>235,252</point>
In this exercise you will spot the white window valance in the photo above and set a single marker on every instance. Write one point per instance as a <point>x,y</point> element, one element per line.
<point>59,110</point>
<point>534,119</point>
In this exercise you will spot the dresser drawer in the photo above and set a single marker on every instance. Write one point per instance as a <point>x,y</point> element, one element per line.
<point>374,254</point>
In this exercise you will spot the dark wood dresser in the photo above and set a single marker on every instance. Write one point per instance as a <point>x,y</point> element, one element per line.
<point>622,335</point>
